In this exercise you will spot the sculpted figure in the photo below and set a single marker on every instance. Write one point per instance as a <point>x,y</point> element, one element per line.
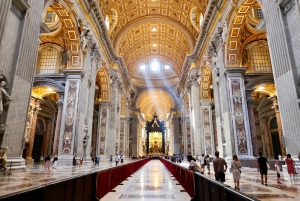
<point>3,157</point>
<point>84,34</point>
<point>4,97</point>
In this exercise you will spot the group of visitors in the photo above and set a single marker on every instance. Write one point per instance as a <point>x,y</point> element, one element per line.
<point>47,162</point>
<point>118,158</point>
<point>220,167</point>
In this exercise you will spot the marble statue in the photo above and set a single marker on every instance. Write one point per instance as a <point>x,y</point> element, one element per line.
<point>84,33</point>
<point>4,97</point>
<point>86,136</point>
<point>3,157</point>
<point>224,32</point>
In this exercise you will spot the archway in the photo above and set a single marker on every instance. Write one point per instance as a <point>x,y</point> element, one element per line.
<point>275,137</point>
<point>38,140</point>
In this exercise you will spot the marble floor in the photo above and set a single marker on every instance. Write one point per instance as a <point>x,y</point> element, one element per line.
<point>151,182</point>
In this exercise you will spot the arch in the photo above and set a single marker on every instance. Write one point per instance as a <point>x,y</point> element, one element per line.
<point>237,34</point>
<point>70,32</point>
<point>266,79</point>
<point>41,81</point>
<point>156,101</point>
<point>102,81</point>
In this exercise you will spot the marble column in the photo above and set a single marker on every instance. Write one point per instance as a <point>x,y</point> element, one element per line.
<point>94,136</point>
<point>240,117</point>
<point>46,140</point>
<point>102,129</point>
<point>35,112</point>
<point>252,127</point>
<point>69,124</point>
<point>207,125</point>
<point>57,127</point>
<point>176,134</point>
<point>280,131</point>
<point>197,139</point>
<point>4,8</point>
<point>267,137</point>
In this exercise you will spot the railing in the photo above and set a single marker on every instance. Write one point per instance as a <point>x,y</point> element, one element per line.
<point>203,188</point>
<point>88,187</point>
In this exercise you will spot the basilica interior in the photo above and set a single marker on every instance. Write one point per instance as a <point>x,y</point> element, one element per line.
<point>148,78</point>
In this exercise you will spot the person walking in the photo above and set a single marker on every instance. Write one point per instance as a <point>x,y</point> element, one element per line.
<point>110,160</point>
<point>55,159</point>
<point>122,160</point>
<point>277,167</point>
<point>193,165</point>
<point>80,161</point>
<point>47,162</point>
<point>219,164</point>
<point>95,160</point>
<point>262,168</point>
<point>98,160</point>
<point>74,161</point>
<point>290,166</point>
<point>208,163</point>
<point>202,163</point>
<point>236,171</point>
<point>117,159</point>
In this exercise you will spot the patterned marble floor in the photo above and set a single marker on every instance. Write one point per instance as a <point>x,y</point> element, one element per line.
<point>151,182</point>
<point>251,185</point>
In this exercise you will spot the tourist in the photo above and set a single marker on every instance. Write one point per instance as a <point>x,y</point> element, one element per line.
<point>219,169</point>
<point>193,165</point>
<point>236,171</point>
<point>74,161</point>
<point>290,166</point>
<point>95,160</point>
<point>262,168</point>
<point>117,159</point>
<point>122,160</point>
<point>47,162</point>
<point>55,159</point>
<point>110,160</point>
<point>277,167</point>
<point>98,160</point>
<point>202,163</point>
<point>182,158</point>
<point>80,161</point>
<point>208,163</point>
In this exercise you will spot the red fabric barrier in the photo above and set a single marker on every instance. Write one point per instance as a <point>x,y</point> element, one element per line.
<point>122,173</point>
<point>102,185</point>
<point>190,183</point>
<point>114,178</point>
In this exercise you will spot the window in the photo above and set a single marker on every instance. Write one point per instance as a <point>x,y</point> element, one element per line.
<point>259,56</point>
<point>167,67</point>
<point>107,22</point>
<point>50,17</point>
<point>155,66</point>
<point>142,67</point>
<point>260,14</point>
<point>48,60</point>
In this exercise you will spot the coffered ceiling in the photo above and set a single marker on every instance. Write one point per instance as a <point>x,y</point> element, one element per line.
<point>146,30</point>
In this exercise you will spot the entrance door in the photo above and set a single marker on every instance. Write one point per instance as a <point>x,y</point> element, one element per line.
<point>37,147</point>
<point>276,144</point>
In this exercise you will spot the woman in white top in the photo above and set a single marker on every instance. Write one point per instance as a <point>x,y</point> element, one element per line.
<point>236,171</point>
<point>193,165</point>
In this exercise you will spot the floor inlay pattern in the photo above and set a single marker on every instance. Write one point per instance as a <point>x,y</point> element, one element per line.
<point>128,196</point>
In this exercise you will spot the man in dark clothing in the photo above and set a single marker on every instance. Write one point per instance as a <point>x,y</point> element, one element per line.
<point>219,164</point>
<point>262,168</point>
<point>173,159</point>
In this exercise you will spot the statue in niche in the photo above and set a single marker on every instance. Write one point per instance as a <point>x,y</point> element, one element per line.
<point>5,99</point>
<point>86,136</point>
<point>84,34</point>
<point>65,53</point>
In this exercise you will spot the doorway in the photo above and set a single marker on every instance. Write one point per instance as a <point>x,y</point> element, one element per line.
<point>275,137</point>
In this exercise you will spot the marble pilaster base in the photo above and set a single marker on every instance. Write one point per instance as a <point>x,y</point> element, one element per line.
<point>18,164</point>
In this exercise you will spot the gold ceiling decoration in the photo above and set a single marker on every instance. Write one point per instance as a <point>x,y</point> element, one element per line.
<point>142,44</point>
<point>102,82</point>
<point>206,81</point>
<point>42,91</point>
<point>155,101</point>
<point>268,89</point>
<point>165,30</point>
<point>242,30</point>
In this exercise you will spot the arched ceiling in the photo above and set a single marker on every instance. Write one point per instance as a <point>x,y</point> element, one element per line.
<point>165,30</point>
<point>155,101</point>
